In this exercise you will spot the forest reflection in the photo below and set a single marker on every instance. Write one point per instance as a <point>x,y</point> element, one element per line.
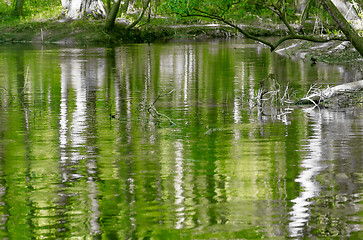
<point>81,155</point>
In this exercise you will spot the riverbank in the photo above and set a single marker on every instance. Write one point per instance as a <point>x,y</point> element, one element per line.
<point>86,32</point>
<point>92,32</point>
<point>333,52</point>
<point>80,32</point>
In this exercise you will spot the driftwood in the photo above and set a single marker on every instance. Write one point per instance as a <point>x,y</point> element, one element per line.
<point>316,95</point>
<point>277,103</point>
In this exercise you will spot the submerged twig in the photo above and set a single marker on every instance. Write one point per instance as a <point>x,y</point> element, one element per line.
<point>152,109</point>
<point>9,94</point>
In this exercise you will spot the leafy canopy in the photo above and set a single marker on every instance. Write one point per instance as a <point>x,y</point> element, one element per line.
<point>235,9</point>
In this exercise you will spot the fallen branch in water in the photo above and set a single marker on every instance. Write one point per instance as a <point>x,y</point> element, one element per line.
<point>152,110</point>
<point>272,99</point>
<point>316,95</point>
<point>276,102</point>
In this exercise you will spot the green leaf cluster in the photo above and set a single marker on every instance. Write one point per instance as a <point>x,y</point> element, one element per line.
<point>232,9</point>
<point>5,9</point>
<point>225,8</point>
<point>35,9</point>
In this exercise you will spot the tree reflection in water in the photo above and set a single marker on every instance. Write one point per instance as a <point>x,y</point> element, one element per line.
<point>311,166</point>
<point>78,159</point>
<point>77,129</point>
<point>328,176</point>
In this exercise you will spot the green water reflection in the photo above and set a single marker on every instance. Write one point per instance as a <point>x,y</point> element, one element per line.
<point>82,158</point>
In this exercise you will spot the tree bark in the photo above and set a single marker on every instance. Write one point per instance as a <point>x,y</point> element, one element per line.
<point>108,6</point>
<point>82,8</point>
<point>350,33</point>
<point>18,11</point>
<point>111,17</point>
<point>348,10</point>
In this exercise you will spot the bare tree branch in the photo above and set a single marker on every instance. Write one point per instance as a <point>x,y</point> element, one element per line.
<point>273,46</point>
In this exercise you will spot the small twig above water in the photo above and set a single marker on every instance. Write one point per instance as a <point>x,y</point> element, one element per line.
<point>162,95</point>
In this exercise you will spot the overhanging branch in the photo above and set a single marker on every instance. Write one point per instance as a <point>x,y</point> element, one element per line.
<point>272,45</point>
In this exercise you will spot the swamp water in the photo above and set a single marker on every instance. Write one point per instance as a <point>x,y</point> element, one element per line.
<point>83,154</point>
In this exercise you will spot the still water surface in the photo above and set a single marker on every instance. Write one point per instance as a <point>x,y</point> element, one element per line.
<point>81,157</point>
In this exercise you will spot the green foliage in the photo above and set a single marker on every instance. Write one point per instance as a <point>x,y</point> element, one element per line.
<point>33,10</point>
<point>37,7</point>
<point>222,8</point>
<point>5,10</point>
<point>180,7</point>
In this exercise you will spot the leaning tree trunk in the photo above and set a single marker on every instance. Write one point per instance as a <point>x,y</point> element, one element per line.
<point>300,5</point>
<point>344,25</point>
<point>349,11</point>
<point>83,8</point>
<point>140,16</point>
<point>111,17</point>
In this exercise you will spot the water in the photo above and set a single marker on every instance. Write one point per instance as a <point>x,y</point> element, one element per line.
<point>83,154</point>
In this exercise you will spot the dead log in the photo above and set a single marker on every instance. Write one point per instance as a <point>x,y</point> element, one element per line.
<point>316,95</point>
